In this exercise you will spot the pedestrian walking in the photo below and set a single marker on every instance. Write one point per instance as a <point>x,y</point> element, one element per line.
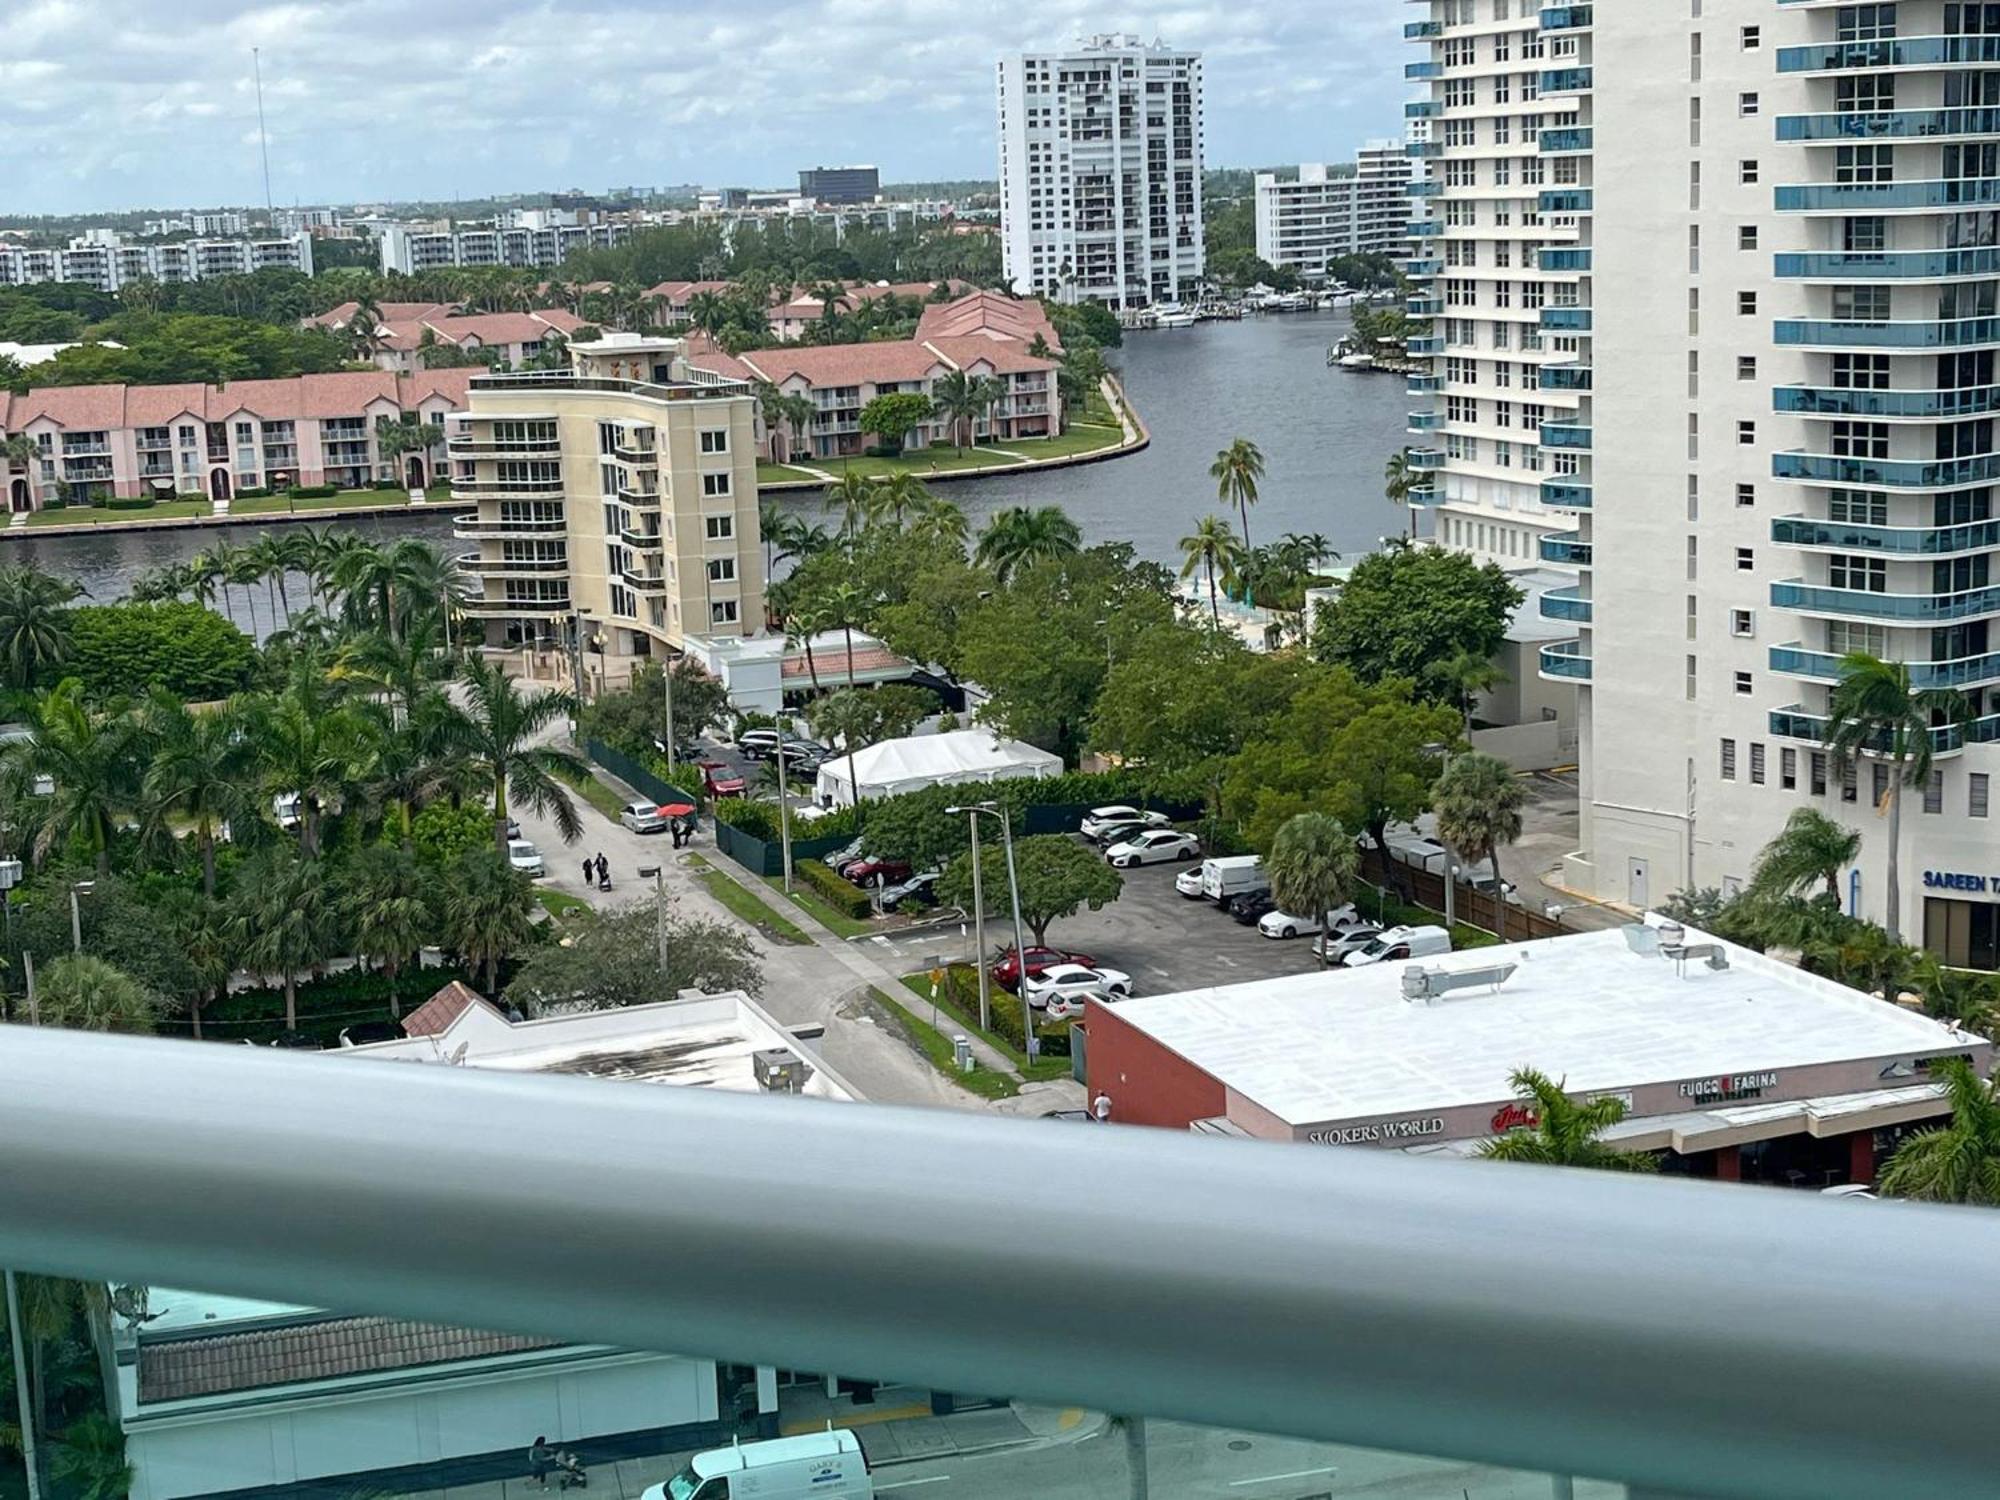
<point>541,1459</point>
<point>589,873</point>
<point>603,869</point>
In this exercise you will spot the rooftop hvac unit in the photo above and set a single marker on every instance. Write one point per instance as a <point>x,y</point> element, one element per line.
<point>780,1070</point>
<point>1433,984</point>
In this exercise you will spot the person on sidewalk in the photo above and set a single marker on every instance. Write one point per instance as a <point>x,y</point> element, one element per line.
<point>541,1460</point>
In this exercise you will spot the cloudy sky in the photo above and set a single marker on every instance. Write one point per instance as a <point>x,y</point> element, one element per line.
<point>108,104</point>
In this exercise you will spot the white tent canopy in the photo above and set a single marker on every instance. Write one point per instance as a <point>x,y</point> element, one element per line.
<point>907,765</point>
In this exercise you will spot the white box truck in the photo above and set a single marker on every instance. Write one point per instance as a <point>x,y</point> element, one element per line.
<point>1231,876</point>
<point>793,1468</point>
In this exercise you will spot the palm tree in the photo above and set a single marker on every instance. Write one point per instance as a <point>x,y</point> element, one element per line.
<point>201,934</point>
<point>801,625</point>
<point>1017,537</point>
<point>273,557</point>
<point>89,1458</point>
<point>1398,479</point>
<point>1478,801</point>
<point>1460,678</point>
<point>487,912</point>
<point>388,907</point>
<point>308,749</point>
<point>1955,1163</point>
<point>85,993</point>
<point>851,495</point>
<point>500,734</point>
<point>203,770</point>
<point>1212,547</point>
<point>961,398</point>
<point>1812,850</point>
<point>1236,471</point>
<point>849,605</point>
<point>407,757</point>
<point>1875,713</point>
<point>1311,867</point>
<point>797,412</point>
<point>91,761</point>
<point>846,716</point>
<point>284,919</point>
<point>1563,1132</point>
<point>892,500</point>
<point>936,519</point>
<point>34,624</point>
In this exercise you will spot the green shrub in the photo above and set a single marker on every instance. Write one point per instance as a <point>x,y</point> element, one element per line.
<point>253,492</point>
<point>760,820</point>
<point>388,484</point>
<point>186,648</point>
<point>55,502</point>
<point>129,502</point>
<point>845,896</point>
<point>192,495</point>
<point>313,491</point>
<point>325,1005</point>
<point>960,995</point>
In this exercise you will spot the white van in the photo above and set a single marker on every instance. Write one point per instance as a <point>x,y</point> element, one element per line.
<point>793,1468</point>
<point>1233,875</point>
<point>1399,942</point>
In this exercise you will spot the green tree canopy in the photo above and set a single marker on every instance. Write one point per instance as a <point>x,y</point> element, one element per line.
<point>186,649</point>
<point>1405,608</point>
<point>1058,878</point>
<point>1563,1132</point>
<point>1958,1162</point>
<point>613,960</point>
<point>893,417</point>
<point>1311,865</point>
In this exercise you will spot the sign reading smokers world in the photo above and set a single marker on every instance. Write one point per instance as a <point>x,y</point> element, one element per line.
<point>1381,1130</point>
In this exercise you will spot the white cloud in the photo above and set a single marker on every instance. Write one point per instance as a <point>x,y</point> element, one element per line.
<point>117,103</point>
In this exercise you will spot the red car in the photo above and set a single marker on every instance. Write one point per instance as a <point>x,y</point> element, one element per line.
<point>870,868</point>
<point>720,780</point>
<point>1007,970</point>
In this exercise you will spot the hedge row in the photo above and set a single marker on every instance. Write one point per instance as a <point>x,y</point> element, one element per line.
<point>845,895</point>
<point>313,491</point>
<point>760,820</point>
<point>960,995</point>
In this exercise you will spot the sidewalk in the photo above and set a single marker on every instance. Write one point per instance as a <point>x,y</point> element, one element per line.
<point>899,1427</point>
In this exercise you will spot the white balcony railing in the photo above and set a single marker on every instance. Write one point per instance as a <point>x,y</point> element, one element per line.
<point>1700,1338</point>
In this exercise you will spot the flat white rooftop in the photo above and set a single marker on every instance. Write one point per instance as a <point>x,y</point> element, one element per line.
<point>1585,1009</point>
<point>703,1042</point>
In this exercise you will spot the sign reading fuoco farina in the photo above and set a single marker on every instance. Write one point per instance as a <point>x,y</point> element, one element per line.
<point>1728,1086</point>
<point>1379,1132</point>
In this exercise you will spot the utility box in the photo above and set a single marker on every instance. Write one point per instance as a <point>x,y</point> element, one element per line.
<point>780,1070</point>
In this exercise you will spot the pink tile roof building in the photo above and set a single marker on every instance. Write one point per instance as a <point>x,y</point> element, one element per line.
<point>219,439</point>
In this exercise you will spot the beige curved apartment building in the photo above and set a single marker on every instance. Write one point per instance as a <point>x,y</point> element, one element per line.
<point>619,495</point>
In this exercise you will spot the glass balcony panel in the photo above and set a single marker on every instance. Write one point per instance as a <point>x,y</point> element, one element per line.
<point>1865,604</point>
<point>1565,17</point>
<point>1887,473</point>
<point>1563,201</point>
<point>1829,333</point>
<point>1878,197</point>
<point>1924,265</point>
<point>1563,547</point>
<point>1565,319</point>
<point>1800,723</point>
<point>1566,494</point>
<point>1565,604</point>
<point>1890,52</point>
<point>1564,258</point>
<point>1565,81</point>
<point>1565,377</point>
<point>1566,660</point>
<point>1559,142</point>
<point>1841,401</point>
<point>1966,672</point>
<point>1896,541</point>
<point>1890,124</point>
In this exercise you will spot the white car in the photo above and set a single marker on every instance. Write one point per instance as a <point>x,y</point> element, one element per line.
<point>525,857</point>
<point>1074,982</point>
<point>1100,819</point>
<point>1188,883</point>
<point>1283,924</point>
<point>1347,940</point>
<point>643,817</point>
<point>1154,846</point>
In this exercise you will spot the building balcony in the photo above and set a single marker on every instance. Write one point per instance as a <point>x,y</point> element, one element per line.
<point>1425,421</point>
<point>1830,333</point>
<point>634,451</point>
<point>1890,53</point>
<point>1423,150</point>
<point>1424,187</point>
<point>1565,604</point>
<point>1893,609</point>
<point>155,470</point>
<point>1424,345</point>
<point>1801,723</point>
<point>1563,201</point>
<point>1564,142</point>
<point>1566,494</point>
<point>1425,460</point>
<point>1422,109</point>
<point>1422,385</point>
<point>86,471</point>
<point>1563,258</point>
<point>1563,548</point>
<point>1573,435</point>
<point>637,498</point>
<point>1417,30</point>
<point>1887,473</point>
<point>514,448</point>
<point>640,539</point>
<point>1813,535</point>
<point>1565,377</point>
<point>1564,81</point>
<point>1902,265</point>
<point>1424,307</point>
<point>155,445</point>
<point>471,529</point>
<point>507,489</point>
<point>1795,660</point>
<point>1887,197</point>
<point>1565,17</point>
<point>1422,270</point>
<point>525,609</point>
<point>643,582</point>
<point>1840,401</point>
<point>1422,70</point>
<point>86,450</point>
<point>1424,496</point>
<point>1565,661</point>
<point>1889,124</point>
<point>1423,229</point>
<point>475,565</point>
<point>1565,320</point>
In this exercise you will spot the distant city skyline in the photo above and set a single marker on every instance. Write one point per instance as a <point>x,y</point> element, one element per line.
<point>124,104</point>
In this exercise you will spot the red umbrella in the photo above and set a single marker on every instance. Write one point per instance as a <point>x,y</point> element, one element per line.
<point>676,809</point>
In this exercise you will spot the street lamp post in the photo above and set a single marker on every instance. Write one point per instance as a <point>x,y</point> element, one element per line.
<point>1014,891</point>
<point>28,1459</point>
<point>1450,858</point>
<point>80,888</point>
<point>784,803</point>
<point>659,875</point>
<point>979,926</point>
<point>667,676</point>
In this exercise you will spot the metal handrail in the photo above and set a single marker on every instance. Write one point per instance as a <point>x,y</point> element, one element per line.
<point>1703,1338</point>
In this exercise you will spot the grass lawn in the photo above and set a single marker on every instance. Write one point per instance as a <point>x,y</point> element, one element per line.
<point>937,1051</point>
<point>559,903</point>
<point>1043,1068</point>
<point>1080,438</point>
<point>770,473</point>
<point>269,504</point>
<point>98,515</point>
<point>596,793</point>
<point>773,924</point>
<point>837,922</point>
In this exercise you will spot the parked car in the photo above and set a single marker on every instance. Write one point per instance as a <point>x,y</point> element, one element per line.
<point>1284,924</point>
<point>918,890</point>
<point>1155,846</point>
<point>846,854</point>
<point>1075,982</point>
<point>762,744</point>
<point>720,779</point>
<point>1188,883</point>
<point>1100,819</point>
<point>643,817</point>
<point>871,869</point>
<point>1345,941</point>
<point>1248,908</point>
<point>1007,969</point>
<point>1397,943</point>
<point>1118,833</point>
<point>524,856</point>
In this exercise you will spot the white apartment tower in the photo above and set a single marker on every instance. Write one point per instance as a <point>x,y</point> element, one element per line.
<point>1787,404</point>
<point>1100,172</point>
<point>1318,215</point>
